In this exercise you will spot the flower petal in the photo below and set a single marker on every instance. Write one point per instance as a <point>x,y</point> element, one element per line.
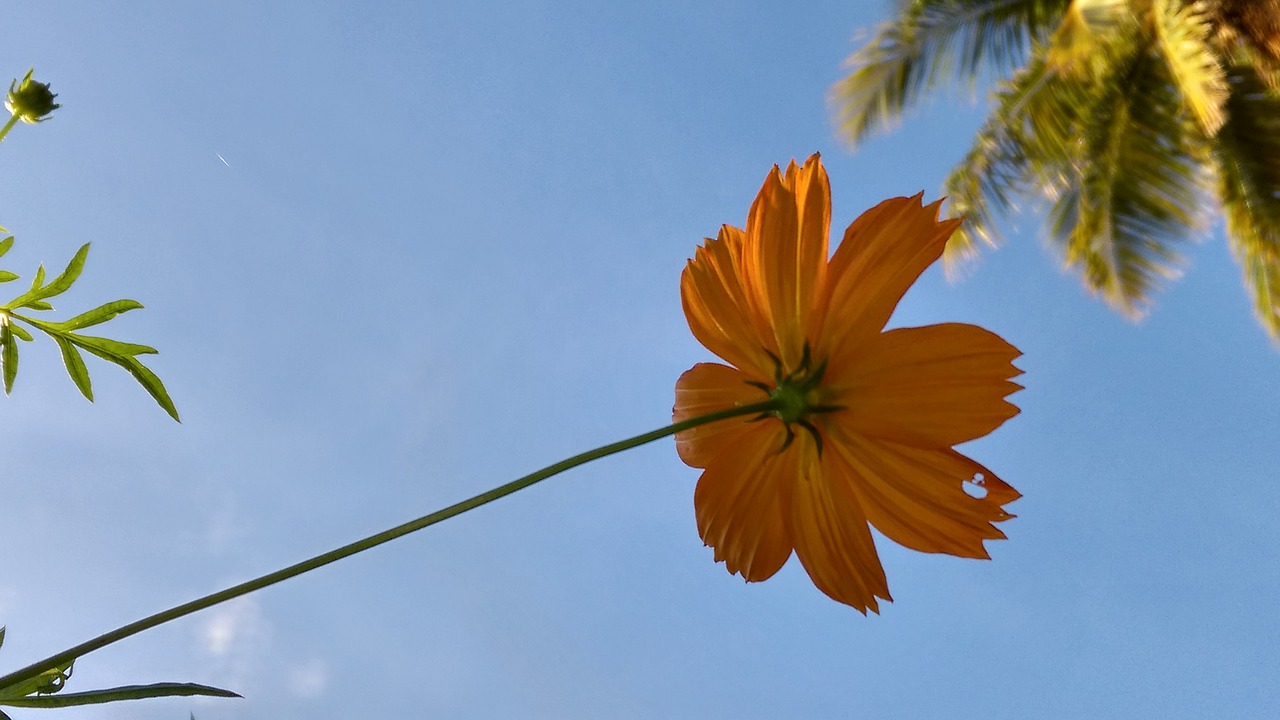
<point>881,255</point>
<point>742,499</point>
<point>929,386</point>
<point>707,388</point>
<point>785,255</point>
<point>832,539</point>
<point>917,497</point>
<point>717,308</point>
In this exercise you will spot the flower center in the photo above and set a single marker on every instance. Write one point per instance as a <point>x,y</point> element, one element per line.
<point>796,397</point>
<point>793,402</point>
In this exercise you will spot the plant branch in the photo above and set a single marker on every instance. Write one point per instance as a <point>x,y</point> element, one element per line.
<point>72,653</point>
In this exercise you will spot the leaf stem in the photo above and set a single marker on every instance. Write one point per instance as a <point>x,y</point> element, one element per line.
<point>359,546</point>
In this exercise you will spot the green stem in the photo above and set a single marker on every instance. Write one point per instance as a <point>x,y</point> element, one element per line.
<point>245,588</point>
<point>8,126</point>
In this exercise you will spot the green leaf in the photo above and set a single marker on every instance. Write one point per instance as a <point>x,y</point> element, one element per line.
<point>1,636</point>
<point>100,314</point>
<point>8,357</point>
<point>118,694</point>
<point>75,367</point>
<point>64,281</point>
<point>6,276</point>
<point>113,351</point>
<point>6,243</point>
<point>34,298</point>
<point>38,280</point>
<point>122,354</point>
<point>21,332</point>
<point>109,349</point>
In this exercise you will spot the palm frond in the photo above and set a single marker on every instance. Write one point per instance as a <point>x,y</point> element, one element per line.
<point>1138,191</point>
<point>932,40</point>
<point>1268,71</point>
<point>1182,33</point>
<point>1257,20</point>
<point>1247,151</point>
<point>1087,26</point>
<point>1247,32</point>
<point>1025,145</point>
<point>1262,278</point>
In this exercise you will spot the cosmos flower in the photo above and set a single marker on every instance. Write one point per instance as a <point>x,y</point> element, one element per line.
<point>866,419</point>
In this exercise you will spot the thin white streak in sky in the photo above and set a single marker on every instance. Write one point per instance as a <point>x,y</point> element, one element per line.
<point>224,160</point>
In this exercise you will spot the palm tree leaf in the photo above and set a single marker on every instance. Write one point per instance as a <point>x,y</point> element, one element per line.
<point>1258,21</point>
<point>1247,32</point>
<point>1247,153</point>
<point>1182,33</point>
<point>1138,190</point>
<point>1262,278</point>
<point>1086,27</point>
<point>1025,144</point>
<point>932,39</point>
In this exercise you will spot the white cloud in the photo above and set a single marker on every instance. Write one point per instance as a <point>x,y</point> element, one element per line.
<point>236,637</point>
<point>309,679</point>
<point>225,528</point>
<point>239,620</point>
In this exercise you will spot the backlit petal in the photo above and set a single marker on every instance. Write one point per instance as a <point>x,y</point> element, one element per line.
<point>707,388</point>
<point>917,497</point>
<point>832,539</point>
<point>881,255</point>
<point>716,306</point>
<point>785,254</point>
<point>930,386</point>
<point>742,499</point>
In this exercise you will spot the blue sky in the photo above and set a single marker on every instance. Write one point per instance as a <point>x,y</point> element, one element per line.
<point>444,251</point>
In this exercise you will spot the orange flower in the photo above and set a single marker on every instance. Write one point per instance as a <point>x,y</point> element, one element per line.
<point>866,418</point>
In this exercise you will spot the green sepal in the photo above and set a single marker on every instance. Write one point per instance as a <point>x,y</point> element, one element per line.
<point>117,694</point>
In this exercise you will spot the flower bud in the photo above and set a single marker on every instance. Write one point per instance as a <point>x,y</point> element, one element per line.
<point>30,102</point>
